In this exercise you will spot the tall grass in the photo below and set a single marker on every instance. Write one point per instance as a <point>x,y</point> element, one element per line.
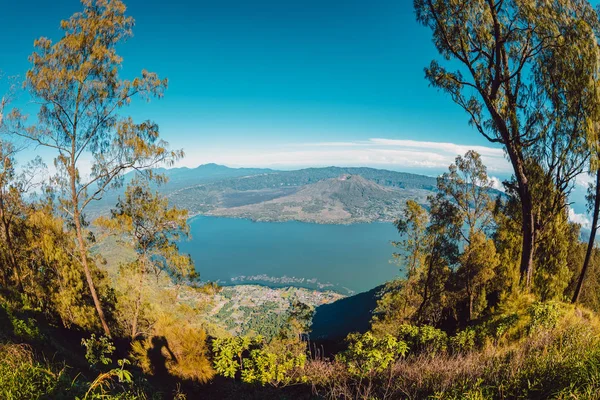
<point>561,362</point>
<point>23,377</point>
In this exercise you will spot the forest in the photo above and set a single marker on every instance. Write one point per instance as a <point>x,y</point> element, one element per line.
<point>500,291</point>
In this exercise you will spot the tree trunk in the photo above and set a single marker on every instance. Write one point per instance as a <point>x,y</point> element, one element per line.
<point>12,260</point>
<point>88,275</point>
<point>528,232</point>
<point>136,313</point>
<point>528,223</point>
<point>5,271</point>
<point>470,317</point>
<point>427,280</point>
<point>590,248</point>
<point>138,303</point>
<point>81,242</point>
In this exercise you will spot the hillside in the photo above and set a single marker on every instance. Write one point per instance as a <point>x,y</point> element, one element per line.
<point>334,321</point>
<point>344,199</point>
<point>177,178</point>
<point>312,195</point>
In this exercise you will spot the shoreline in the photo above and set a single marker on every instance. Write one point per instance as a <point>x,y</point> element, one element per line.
<point>194,216</point>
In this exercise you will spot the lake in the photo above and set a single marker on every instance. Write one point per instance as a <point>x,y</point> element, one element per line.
<point>345,258</point>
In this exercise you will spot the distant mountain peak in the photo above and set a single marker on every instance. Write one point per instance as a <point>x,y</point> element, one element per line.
<point>344,198</point>
<point>212,166</point>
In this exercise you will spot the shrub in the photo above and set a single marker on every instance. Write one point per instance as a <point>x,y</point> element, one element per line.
<point>503,325</point>
<point>368,354</point>
<point>11,325</point>
<point>98,350</point>
<point>176,349</point>
<point>424,338</point>
<point>560,361</point>
<point>463,341</point>
<point>277,363</point>
<point>26,328</point>
<point>119,381</point>
<point>228,353</point>
<point>188,344</point>
<point>544,315</point>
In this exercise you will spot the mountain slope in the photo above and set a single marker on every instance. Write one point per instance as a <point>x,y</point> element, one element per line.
<point>178,178</point>
<point>217,189</point>
<point>216,197</point>
<point>334,321</point>
<point>345,199</point>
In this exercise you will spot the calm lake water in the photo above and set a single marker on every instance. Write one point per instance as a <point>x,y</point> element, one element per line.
<point>345,258</point>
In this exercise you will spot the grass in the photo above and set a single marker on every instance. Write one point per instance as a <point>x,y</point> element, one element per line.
<point>557,362</point>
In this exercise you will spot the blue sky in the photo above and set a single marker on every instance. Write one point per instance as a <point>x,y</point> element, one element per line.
<point>282,84</point>
<point>275,82</point>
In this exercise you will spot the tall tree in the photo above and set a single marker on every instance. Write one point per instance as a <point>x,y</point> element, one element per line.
<point>443,232</point>
<point>13,207</point>
<point>414,248</point>
<point>77,85</point>
<point>146,222</point>
<point>428,249</point>
<point>413,226</point>
<point>466,186</point>
<point>520,65</point>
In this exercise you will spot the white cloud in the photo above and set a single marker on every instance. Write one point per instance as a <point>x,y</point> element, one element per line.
<point>584,180</point>
<point>497,183</point>
<point>427,157</point>
<point>376,152</point>
<point>336,144</point>
<point>441,146</point>
<point>580,219</point>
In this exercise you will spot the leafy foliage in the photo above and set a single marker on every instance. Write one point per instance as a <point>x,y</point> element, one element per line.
<point>77,85</point>
<point>278,362</point>
<point>368,354</point>
<point>146,222</point>
<point>176,349</point>
<point>98,351</point>
<point>423,339</point>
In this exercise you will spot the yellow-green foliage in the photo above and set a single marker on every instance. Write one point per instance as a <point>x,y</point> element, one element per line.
<point>552,273</point>
<point>228,353</point>
<point>98,350</point>
<point>144,210</point>
<point>279,362</point>
<point>559,359</point>
<point>139,354</point>
<point>118,381</point>
<point>188,344</point>
<point>176,346</point>
<point>463,341</point>
<point>50,277</point>
<point>22,377</point>
<point>423,338</point>
<point>368,354</point>
<point>521,316</point>
<point>65,281</point>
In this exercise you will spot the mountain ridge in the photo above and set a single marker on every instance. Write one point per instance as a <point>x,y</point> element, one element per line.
<point>345,199</point>
<point>213,189</point>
